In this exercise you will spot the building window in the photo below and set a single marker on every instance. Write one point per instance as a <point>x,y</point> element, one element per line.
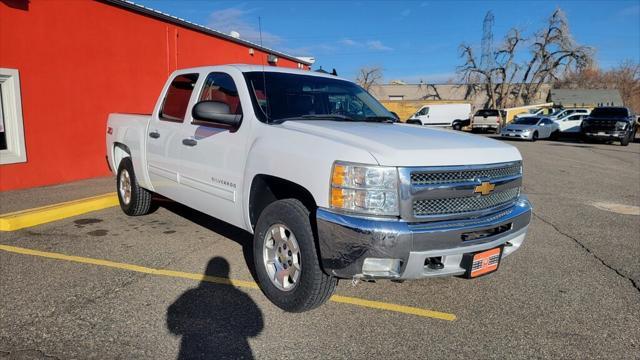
<point>12,149</point>
<point>396,97</point>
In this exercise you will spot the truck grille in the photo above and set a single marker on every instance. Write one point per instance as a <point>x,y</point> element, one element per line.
<point>466,204</point>
<point>457,176</point>
<point>601,125</point>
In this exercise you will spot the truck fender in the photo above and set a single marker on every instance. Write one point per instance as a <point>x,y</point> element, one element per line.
<point>300,161</point>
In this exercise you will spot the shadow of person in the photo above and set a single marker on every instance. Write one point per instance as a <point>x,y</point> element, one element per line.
<point>215,320</point>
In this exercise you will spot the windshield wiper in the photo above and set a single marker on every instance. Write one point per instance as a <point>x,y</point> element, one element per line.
<point>328,117</point>
<point>387,119</point>
<point>315,117</point>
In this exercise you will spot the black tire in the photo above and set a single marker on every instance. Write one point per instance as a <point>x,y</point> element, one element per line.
<point>627,139</point>
<point>139,198</point>
<point>456,125</point>
<point>584,138</point>
<point>534,137</point>
<point>313,287</point>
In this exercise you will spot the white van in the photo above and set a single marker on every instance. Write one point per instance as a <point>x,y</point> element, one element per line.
<point>455,115</point>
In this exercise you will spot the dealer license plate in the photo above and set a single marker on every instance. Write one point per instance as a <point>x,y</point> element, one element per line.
<point>482,263</point>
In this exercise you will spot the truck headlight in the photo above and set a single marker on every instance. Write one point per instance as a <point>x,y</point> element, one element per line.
<point>364,189</point>
<point>621,125</point>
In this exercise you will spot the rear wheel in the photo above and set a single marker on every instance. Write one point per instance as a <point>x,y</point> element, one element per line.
<point>286,261</point>
<point>134,200</point>
<point>456,125</point>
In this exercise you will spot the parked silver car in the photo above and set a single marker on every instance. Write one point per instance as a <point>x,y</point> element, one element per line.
<point>531,128</point>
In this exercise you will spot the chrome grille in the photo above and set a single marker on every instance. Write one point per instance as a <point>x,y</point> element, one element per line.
<point>463,205</point>
<point>457,176</point>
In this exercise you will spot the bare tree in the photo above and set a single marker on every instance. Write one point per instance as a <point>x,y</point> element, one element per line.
<point>625,78</point>
<point>473,74</point>
<point>552,54</point>
<point>369,76</point>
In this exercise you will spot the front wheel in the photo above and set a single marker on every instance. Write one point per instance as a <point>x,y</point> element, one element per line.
<point>534,137</point>
<point>286,261</point>
<point>627,139</point>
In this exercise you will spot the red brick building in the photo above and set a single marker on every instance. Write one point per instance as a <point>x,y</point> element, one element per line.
<point>64,65</point>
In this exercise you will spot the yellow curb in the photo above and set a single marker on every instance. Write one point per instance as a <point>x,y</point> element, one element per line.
<point>225,281</point>
<point>41,215</point>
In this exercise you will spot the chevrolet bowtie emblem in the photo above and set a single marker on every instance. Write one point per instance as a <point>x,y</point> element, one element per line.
<point>485,188</point>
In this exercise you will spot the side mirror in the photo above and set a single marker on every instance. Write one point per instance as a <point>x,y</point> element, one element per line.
<point>541,124</point>
<point>215,112</point>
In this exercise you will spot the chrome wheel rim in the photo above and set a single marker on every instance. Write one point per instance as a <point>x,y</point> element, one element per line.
<point>125,187</point>
<point>281,257</point>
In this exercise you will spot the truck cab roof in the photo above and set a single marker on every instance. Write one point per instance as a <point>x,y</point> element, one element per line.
<point>244,68</point>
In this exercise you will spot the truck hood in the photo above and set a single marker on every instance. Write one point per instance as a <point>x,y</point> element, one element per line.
<point>410,145</point>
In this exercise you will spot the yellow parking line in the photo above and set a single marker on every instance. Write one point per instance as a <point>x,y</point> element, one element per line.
<point>32,217</point>
<point>220,280</point>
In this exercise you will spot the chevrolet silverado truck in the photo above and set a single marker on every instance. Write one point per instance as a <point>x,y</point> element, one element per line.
<point>328,182</point>
<point>609,123</point>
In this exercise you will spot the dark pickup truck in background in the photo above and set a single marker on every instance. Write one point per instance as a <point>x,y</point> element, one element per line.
<point>609,123</point>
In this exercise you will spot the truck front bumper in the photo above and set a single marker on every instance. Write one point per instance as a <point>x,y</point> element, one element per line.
<point>357,247</point>
<point>606,134</point>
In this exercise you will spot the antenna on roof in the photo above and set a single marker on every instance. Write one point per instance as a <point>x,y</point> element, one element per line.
<point>264,76</point>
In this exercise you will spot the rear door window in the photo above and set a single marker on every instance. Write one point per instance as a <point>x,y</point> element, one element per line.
<point>176,101</point>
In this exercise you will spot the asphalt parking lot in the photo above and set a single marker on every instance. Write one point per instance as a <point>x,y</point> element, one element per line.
<point>572,290</point>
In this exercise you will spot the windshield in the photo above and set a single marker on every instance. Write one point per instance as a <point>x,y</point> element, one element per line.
<point>527,121</point>
<point>487,113</point>
<point>295,96</point>
<point>609,112</point>
<point>556,112</point>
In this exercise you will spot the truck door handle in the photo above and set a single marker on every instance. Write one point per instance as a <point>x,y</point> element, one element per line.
<point>154,134</point>
<point>189,142</point>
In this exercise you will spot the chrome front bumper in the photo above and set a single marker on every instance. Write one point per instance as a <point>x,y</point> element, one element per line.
<point>345,241</point>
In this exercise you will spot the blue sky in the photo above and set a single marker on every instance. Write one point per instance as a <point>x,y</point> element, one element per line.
<point>410,40</point>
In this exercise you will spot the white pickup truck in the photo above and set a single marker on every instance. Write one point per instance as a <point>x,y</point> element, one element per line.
<point>330,185</point>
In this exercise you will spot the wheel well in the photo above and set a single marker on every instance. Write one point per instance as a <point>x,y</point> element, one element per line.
<point>120,151</point>
<point>266,189</point>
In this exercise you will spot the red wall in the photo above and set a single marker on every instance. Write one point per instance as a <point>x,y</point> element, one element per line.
<point>80,61</point>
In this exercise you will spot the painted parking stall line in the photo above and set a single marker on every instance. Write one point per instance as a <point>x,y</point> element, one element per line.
<point>224,281</point>
<point>45,214</point>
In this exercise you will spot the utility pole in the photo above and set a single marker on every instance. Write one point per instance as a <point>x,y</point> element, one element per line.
<point>486,61</point>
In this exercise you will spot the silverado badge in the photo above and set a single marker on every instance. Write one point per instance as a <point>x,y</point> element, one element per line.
<point>485,188</point>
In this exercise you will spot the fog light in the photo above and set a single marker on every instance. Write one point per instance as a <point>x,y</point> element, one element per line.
<point>381,267</point>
